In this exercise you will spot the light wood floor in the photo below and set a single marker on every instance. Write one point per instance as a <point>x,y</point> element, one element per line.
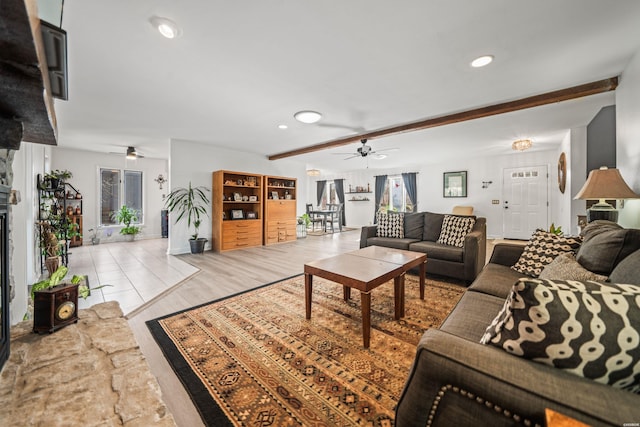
<point>223,274</point>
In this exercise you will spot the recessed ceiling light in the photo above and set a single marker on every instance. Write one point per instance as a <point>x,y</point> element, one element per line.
<point>482,61</point>
<point>282,126</point>
<point>307,116</point>
<point>166,27</point>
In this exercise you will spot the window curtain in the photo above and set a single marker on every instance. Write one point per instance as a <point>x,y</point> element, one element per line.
<point>381,182</point>
<point>339,183</point>
<point>320,185</point>
<point>412,188</point>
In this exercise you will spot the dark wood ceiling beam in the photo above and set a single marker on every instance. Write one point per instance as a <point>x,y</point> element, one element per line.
<point>575,92</point>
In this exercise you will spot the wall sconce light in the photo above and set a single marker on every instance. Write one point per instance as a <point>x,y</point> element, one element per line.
<point>485,184</point>
<point>160,180</point>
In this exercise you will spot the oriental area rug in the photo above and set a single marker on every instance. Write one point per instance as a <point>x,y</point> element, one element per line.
<point>253,359</point>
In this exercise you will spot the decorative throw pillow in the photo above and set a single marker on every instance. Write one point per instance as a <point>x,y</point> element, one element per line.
<point>390,225</point>
<point>542,248</point>
<point>589,329</point>
<point>455,229</point>
<point>565,267</point>
<point>605,245</point>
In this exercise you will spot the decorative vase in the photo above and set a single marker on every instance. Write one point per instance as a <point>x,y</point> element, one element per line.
<point>129,237</point>
<point>95,240</point>
<point>197,245</point>
<point>52,263</point>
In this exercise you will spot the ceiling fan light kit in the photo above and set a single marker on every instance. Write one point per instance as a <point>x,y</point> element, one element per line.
<point>307,116</point>
<point>482,61</point>
<point>522,144</point>
<point>166,27</point>
<point>132,154</point>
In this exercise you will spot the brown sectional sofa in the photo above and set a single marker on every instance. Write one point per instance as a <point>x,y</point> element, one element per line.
<point>455,380</point>
<point>421,232</point>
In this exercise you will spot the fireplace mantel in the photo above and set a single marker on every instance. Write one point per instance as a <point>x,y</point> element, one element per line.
<point>26,105</point>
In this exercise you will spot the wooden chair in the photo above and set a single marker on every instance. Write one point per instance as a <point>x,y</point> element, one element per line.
<point>315,219</point>
<point>336,216</point>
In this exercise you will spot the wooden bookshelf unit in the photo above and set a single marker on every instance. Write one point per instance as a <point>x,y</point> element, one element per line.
<point>237,210</point>
<point>279,209</point>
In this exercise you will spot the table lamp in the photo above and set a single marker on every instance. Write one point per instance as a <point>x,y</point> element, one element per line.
<point>602,184</point>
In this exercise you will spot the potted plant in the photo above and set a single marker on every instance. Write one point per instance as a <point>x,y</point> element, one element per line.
<point>55,279</point>
<point>126,216</point>
<point>190,203</point>
<point>95,235</point>
<point>303,223</point>
<point>50,246</point>
<point>56,177</point>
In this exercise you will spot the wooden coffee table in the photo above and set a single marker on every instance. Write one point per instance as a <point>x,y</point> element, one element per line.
<point>365,270</point>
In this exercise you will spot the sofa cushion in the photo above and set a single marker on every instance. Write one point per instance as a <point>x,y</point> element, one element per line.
<point>438,251</point>
<point>414,225</point>
<point>471,315</point>
<point>565,267</point>
<point>390,225</point>
<point>542,248</point>
<point>432,226</point>
<point>455,229</point>
<point>628,271</point>
<point>589,329</point>
<point>390,242</point>
<point>605,245</point>
<point>496,280</point>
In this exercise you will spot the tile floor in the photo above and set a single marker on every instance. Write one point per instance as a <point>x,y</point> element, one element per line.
<point>137,271</point>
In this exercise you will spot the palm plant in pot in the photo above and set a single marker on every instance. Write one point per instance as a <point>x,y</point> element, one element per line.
<point>190,203</point>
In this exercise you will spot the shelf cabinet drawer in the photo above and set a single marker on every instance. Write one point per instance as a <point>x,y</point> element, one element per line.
<point>241,234</point>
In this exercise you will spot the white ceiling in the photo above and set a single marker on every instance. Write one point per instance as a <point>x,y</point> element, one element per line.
<point>241,68</point>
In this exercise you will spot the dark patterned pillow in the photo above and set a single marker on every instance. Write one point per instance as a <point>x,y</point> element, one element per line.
<point>390,225</point>
<point>542,248</point>
<point>455,229</point>
<point>589,329</point>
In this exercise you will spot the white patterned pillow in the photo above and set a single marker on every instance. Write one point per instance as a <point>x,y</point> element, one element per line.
<point>589,329</point>
<point>390,225</point>
<point>455,229</point>
<point>542,248</point>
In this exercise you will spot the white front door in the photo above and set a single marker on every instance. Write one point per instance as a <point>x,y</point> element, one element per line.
<point>525,201</point>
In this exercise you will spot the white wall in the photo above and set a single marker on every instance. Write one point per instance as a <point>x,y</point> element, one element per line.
<point>195,162</point>
<point>29,161</point>
<point>85,167</point>
<point>628,138</point>
<point>577,175</point>
<point>430,181</point>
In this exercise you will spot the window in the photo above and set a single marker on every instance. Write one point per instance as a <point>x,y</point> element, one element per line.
<point>395,196</point>
<point>329,196</point>
<point>115,192</point>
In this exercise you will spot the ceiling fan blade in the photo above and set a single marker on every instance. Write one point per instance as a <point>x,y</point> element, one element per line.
<point>345,154</point>
<point>353,157</point>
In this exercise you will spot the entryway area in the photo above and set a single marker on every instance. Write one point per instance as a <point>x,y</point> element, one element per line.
<point>137,271</point>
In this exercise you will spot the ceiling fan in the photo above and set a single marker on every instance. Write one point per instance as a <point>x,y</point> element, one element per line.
<point>366,151</point>
<point>132,153</point>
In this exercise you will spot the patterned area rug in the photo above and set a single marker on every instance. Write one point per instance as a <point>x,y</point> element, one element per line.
<point>253,358</point>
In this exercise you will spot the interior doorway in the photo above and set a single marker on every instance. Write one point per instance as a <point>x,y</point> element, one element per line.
<point>525,201</point>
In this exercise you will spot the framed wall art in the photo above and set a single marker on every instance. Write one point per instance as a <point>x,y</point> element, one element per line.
<point>455,184</point>
<point>252,215</point>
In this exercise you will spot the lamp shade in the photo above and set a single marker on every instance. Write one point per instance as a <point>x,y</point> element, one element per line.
<point>604,184</point>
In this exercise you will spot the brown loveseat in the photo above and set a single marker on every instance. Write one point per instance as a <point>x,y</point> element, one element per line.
<point>456,380</point>
<point>421,232</point>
